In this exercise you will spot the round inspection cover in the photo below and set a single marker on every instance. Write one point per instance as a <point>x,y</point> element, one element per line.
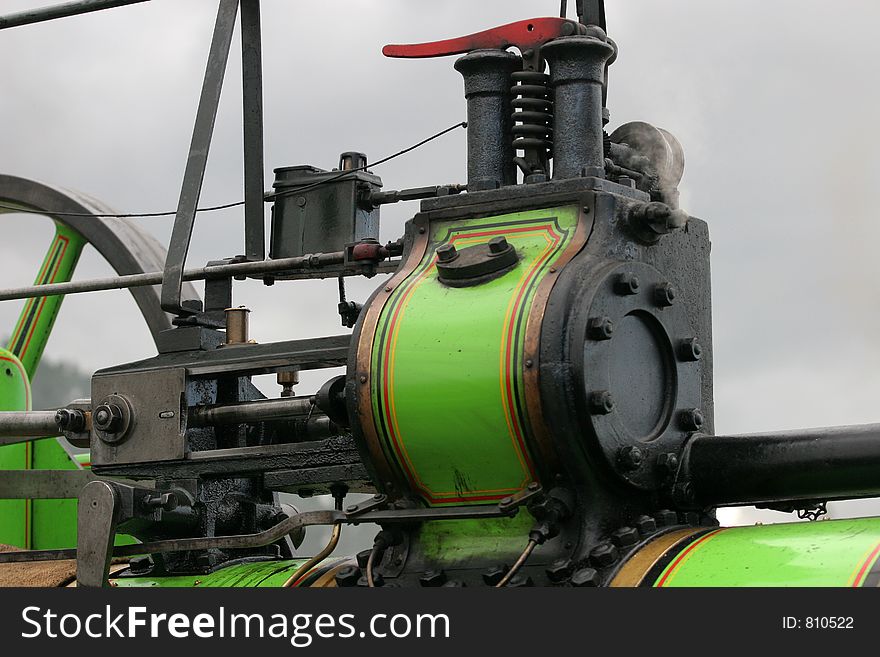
<point>641,371</point>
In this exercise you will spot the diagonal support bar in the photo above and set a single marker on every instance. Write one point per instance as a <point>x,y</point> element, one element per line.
<point>252,88</point>
<point>31,16</point>
<point>197,161</point>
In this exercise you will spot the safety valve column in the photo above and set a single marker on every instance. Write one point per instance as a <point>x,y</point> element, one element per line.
<point>487,84</point>
<point>577,73</point>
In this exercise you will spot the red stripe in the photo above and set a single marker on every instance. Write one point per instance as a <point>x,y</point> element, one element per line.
<point>684,554</point>
<point>865,566</point>
<point>43,299</point>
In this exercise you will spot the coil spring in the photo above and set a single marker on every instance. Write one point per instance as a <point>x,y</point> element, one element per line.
<point>533,116</point>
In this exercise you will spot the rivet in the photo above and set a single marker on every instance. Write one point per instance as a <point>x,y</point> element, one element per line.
<point>552,270</point>
<point>363,378</point>
<point>529,363</point>
<point>422,230</point>
<point>388,288</point>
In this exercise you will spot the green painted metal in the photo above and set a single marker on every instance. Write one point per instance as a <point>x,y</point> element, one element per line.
<point>824,553</point>
<point>261,574</point>
<point>15,395</point>
<point>39,524</point>
<point>454,543</point>
<point>446,384</point>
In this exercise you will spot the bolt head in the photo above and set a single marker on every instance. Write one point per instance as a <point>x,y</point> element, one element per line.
<point>664,295</point>
<point>446,253</point>
<point>601,402</point>
<point>689,518</point>
<point>603,555</point>
<point>630,458</point>
<point>692,419</point>
<point>646,525</point>
<point>625,537</point>
<point>559,570</point>
<point>433,578</point>
<point>668,462</point>
<point>520,581</point>
<point>666,518</point>
<point>498,245</point>
<point>585,577</point>
<point>601,328</point>
<point>107,418</point>
<point>627,284</point>
<point>493,575</point>
<point>690,350</point>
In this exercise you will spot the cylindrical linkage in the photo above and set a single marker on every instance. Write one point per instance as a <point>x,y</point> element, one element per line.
<point>487,84</point>
<point>577,73</point>
<point>809,464</point>
<point>254,411</point>
<point>27,424</point>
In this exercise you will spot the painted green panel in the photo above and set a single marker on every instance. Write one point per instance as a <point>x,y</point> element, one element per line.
<point>451,543</point>
<point>15,395</point>
<point>447,363</point>
<point>246,575</point>
<point>824,553</point>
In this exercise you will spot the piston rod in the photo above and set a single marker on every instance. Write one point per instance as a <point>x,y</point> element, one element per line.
<point>254,411</point>
<point>42,14</point>
<point>27,424</point>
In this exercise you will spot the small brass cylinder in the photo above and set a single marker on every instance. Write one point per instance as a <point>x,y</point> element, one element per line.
<point>237,325</point>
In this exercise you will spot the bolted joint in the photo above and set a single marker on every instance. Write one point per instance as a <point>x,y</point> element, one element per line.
<point>433,578</point>
<point>498,246</point>
<point>585,577</point>
<point>666,518</point>
<point>559,571</point>
<point>603,555</point>
<point>690,350</point>
<point>651,221</point>
<point>600,328</point>
<point>646,525</point>
<point>447,253</point>
<point>627,284</point>
<point>108,418</point>
<point>691,419</point>
<point>625,537</point>
<point>73,421</point>
<point>601,402</point>
<point>664,295</point>
<point>494,574</point>
<point>630,458</point>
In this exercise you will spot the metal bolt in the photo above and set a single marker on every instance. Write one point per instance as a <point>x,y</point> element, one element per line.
<point>530,363</point>
<point>559,571</point>
<point>520,581</point>
<point>363,378</point>
<point>689,518</point>
<point>585,577</point>
<point>627,284</point>
<point>68,420</point>
<point>495,574</point>
<point>690,350</point>
<point>668,463</point>
<point>666,518</point>
<point>601,328</point>
<point>603,555</point>
<point>630,458</point>
<point>446,253</point>
<point>601,402</point>
<point>108,418</point>
<point>691,419</point>
<point>497,246</point>
<point>646,525</point>
<point>664,295</point>
<point>625,537</point>
<point>433,578</point>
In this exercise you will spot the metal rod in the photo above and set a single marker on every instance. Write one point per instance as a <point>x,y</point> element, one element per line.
<point>809,464</point>
<point>252,99</point>
<point>35,424</point>
<point>255,411</point>
<point>30,16</point>
<point>155,278</point>
<point>197,161</point>
<point>309,565</point>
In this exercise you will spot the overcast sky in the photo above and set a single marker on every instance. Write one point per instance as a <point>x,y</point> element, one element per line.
<point>775,103</point>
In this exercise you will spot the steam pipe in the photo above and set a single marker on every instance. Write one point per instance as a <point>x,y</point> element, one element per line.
<point>487,86</point>
<point>809,464</point>
<point>577,73</point>
<point>22,424</point>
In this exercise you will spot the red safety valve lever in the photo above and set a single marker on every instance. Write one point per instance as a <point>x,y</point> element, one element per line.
<point>523,35</point>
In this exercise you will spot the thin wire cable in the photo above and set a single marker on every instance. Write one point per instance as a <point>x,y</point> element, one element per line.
<point>519,562</point>
<point>309,565</point>
<point>226,206</point>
